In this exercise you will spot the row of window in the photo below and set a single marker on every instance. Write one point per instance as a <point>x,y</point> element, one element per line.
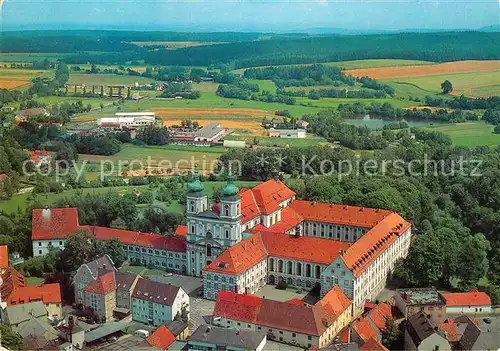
<point>155,252</point>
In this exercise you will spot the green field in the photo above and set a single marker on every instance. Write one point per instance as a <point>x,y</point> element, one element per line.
<point>311,140</point>
<point>469,134</point>
<point>182,157</point>
<point>355,64</point>
<point>106,79</point>
<point>476,84</point>
<point>264,85</point>
<point>30,57</point>
<point>94,102</point>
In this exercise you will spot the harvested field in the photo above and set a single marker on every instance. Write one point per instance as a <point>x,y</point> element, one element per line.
<point>9,83</point>
<point>425,70</point>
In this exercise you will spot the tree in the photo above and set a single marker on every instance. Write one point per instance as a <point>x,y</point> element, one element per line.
<point>497,130</point>
<point>80,248</point>
<point>10,339</point>
<point>447,87</point>
<point>393,336</point>
<point>114,249</point>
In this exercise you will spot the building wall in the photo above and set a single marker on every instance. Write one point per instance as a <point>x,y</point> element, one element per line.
<point>82,278</point>
<point>475,310</point>
<point>148,312</point>
<point>295,273</point>
<point>103,305</point>
<point>333,231</point>
<point>181,301</point>
<point>54,309</point>
<point>159,258</point>
<point>437,312</point>
<point>41,247</point>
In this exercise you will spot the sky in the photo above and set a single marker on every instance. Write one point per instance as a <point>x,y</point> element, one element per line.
<point>248,15</point>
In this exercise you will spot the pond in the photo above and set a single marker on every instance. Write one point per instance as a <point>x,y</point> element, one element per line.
<point>375,122</point>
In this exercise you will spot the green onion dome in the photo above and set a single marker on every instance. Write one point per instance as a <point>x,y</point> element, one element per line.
<point>230,189</point>
<point>195,185</point>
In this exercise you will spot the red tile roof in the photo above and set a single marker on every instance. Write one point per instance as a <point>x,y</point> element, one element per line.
<point>56,223</point>
<point>181,230</point>
<point>239,257</point>
<point>471,298</point>
<point>103,285</point>
<point>36,154</point>
<point>364,329</point>
<point>374,242</point>
<point>296,301</point>
<point>380,314</point>
<point>335,301</point>
<point>12,280</point>
<point>48,293</point>
<point>303,248</point>
<point>264,198</point>
<point>339,214</point>
<point>310,320</point>
<point>373,345</point>
<point>289,220</point>
<point>59,223</point>
<point>161,338</point>
<point>450,329</point>
<point>4,256</point>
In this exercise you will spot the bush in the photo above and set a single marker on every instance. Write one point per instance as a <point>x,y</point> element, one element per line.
<point>497,130</point>
<point>282,285</point>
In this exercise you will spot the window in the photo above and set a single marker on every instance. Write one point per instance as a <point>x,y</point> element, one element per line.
<point>227,234</point>
<point>143,250</point>
<point>294,335</point>
<point>259,328</point>
<point>248,326</point>
<point>39,252</point>
<point>60,242</point>
<point>281,332</point>
<point>150,251</point>
<point>39,244</point>
<point>309,338</point>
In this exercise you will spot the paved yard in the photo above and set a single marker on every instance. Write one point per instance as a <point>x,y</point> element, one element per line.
<point>270,292</point>
<point>201,312</point>
<point>126,342</point>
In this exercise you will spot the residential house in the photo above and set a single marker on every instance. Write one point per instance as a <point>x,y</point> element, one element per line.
<point>88,272</point>
<point>414,300</point>
<point>214,338</point>
<point>30,321</point>
<point>289,322</point>
<point>372,324</point>
<point>40,157</point>
<point>179,328</point>
<point>423,334</point>
<point>48,294</point>
<point>110,294</point>
<point>473,302</point>
<point>161,338</point>
<point>157,303</point>
<point>462,333</point>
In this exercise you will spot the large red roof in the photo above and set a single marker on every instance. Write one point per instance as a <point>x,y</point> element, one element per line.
<point>4,256</point>
<point>239,257</point>
<point>303,248</point>
<point>12,280</point>
<point>373,345</point>
<point>161,338</point>
<point>48,293</point>
<point>103,285</point>
<point>471,298</point>
<point>59,223</point>
<point>335,301</point>
<point>374,242</point>
<point>264,198</point>
<point>289,220</point>
<point>301,318</point>
<point>181,230</point>
<point>55,223</point>
<point>364,329</point>
<point>339,214</point>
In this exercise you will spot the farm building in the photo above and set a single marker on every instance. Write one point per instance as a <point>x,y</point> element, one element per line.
<point>24,115</point>
<point>209,134</point>
<point>287,133</point>
<point>128,120</point>
<point>235,143</point>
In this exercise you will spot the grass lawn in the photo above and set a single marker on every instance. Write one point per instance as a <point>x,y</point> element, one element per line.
<point>172,156</point>
<point>31,281</point>
<point>469,134</point>
<point>267,85</point>
<point>354,64</point>
<point>94,102</point>
<point>311,140</point>
<point>21,201</point>
<point>106,79</point>
<point>335,102</point>
<point>30,57</point>
<point>475,84</point>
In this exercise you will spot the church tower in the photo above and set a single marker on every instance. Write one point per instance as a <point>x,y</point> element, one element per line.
<point>196,199</point>
<point>230,212</point>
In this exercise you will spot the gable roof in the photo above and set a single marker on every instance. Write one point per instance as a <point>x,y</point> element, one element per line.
<point>374,242</point>
<point>47,293</point>
<point>335,301</point>
<point>289,220</point>
<point>233,339</point>
<point>296,317</point>
<point>181,230</point>
<point>56,223</point>
<point>103,285</point>
<point>124,281</point>
<point>24,312</point>
<point>379,315</point>
<point>161,338</point>
<point>239,257</point>
<point>365,329</point>
<point>264,198</point>
<point>4,256</point>
<point>420,327</point>
<point>339,214</point>
<point>59,223</point>
<point>100,265</point>
<point>11,280</point>
<point>155,292</point>
<point>471,298</point>
<point>373,345</point>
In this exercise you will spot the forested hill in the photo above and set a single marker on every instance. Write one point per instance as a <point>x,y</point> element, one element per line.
<point>437,47</point>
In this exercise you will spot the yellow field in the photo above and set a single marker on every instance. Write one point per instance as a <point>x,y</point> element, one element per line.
<point>11,78</point>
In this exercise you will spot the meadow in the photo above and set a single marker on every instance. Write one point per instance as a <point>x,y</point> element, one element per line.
<point>470,134</point>
<point>173,45</point>
<point>94,102</point>
<point>310,140</point>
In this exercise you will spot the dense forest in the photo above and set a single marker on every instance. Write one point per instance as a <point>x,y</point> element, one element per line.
<point>249,49</point>
<point>419,46</point>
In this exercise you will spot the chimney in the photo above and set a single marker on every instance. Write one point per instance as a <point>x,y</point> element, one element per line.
<point>104,266</point>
